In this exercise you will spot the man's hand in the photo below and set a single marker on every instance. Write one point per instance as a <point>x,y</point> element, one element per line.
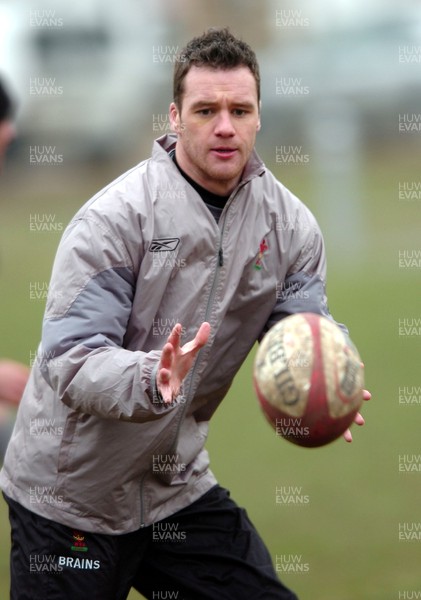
<point>359,419</point>
<point>13,378</point>
<point>177,360</point>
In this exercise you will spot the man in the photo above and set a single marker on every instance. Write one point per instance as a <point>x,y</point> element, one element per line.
<point>13,378</point>
<point>7,128</point>
<point>117,492</point>
<point>13,375</point>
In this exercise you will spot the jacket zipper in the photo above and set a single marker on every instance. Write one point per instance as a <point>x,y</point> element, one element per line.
<point>220,263</point>
<point>142,519</point>
<point>221,257</point>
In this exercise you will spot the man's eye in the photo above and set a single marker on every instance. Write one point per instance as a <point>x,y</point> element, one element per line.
<point>204,111</point>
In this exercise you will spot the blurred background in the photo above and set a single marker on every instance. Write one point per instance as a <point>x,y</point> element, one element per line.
<point>341,127</point>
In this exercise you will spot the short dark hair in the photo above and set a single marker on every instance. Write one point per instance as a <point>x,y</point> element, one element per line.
<point>6,106</point>
<point>217,49</point>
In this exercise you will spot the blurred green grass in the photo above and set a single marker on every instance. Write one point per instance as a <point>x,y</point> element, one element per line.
<point>348,532</point>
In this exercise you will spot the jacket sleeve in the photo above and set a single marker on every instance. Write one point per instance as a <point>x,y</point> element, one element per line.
<point>82,354</point>
<point>304,287</point>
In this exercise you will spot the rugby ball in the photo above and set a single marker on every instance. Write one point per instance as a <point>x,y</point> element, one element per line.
<point>309,379</point>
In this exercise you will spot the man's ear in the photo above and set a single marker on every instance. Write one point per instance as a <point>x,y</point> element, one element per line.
<point>175,118</point>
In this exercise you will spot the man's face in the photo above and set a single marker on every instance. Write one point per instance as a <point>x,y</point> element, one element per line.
<point>7,134</point>
<point>216,126</point>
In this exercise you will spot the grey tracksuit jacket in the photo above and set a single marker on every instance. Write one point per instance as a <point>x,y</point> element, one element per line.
<point>93,447</point>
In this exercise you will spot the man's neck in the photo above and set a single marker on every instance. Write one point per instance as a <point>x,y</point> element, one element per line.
<point>216,187</point>
<point>218,200</point>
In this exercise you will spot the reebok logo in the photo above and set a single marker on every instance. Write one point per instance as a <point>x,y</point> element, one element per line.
<point>164,245</point>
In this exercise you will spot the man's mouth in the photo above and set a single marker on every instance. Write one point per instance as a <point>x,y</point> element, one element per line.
<point>224,152</point>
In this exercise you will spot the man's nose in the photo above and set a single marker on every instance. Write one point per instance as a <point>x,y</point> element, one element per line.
<point>224,125</point>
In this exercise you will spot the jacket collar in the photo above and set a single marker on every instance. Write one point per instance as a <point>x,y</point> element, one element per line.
<point>164,144</point>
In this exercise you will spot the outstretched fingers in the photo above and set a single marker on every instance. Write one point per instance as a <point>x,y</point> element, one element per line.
<point>199,341</point>
<point>175,336</point>
<point>358,420</point>
<point>176,361</point>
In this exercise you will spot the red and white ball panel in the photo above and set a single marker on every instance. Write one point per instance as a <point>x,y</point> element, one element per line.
<point>309,374</point>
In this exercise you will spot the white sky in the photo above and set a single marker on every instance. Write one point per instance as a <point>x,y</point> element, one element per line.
<point>325,13</point>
